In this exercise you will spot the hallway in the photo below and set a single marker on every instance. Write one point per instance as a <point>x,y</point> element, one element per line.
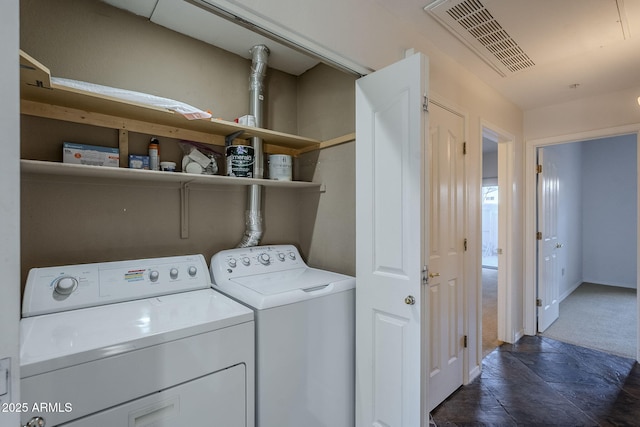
<point>542,382</point>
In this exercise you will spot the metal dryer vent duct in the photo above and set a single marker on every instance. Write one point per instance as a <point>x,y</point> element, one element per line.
<point>253,214</point>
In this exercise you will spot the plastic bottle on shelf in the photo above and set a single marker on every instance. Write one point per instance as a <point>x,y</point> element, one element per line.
<point>154,154</point>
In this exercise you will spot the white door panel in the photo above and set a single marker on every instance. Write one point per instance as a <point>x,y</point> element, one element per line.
<point>548,267</point>
<point>409,210</point>
<point>390,124</point>
<point>446,246</point>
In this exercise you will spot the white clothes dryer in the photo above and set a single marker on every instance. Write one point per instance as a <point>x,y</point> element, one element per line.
<point>135,343</point>
<point>305,334</point>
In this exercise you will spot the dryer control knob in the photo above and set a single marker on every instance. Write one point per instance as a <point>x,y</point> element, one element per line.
<point>192,271</point>
<point>65,285</point>
<point>232,263</point>
<point>281,256</point>
<point>292,255</point>
<point>246,260</point>
<point>173,273</point>
<point>154,275</point>
<point>264,259</point>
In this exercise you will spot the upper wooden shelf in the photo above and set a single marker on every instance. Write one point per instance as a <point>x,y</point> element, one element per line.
<point>36,88</point>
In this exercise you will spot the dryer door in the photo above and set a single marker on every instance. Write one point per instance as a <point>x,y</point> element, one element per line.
<point>218,399</point>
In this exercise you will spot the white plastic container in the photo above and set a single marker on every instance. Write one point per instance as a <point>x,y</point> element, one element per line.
<point>280,167</point>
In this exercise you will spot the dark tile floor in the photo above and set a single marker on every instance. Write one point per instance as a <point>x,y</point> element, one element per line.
<point>542,382</point>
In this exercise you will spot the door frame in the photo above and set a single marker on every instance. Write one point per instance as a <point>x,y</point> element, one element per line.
<point>530,273</point>
<point>10,206</point>
<point>507,329</point>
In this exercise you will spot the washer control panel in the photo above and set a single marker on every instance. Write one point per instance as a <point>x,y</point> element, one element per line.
<point>240,262</point>
<point>52,289</point>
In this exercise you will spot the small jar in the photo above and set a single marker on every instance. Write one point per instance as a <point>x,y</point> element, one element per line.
<point>168,166</point>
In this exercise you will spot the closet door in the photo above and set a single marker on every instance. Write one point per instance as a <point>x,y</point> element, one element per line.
<point>392,245</point>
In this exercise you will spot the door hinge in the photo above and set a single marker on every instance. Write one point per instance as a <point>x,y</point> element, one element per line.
<point>538,302</point>
<point>465,245</point>
<point>425,103</point>
<point>465,341</point>
<point>539,235</point>
<point>539,169</point>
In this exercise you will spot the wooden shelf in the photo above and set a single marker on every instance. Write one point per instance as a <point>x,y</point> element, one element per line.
<point>37,167</point>
<point>40,97</point>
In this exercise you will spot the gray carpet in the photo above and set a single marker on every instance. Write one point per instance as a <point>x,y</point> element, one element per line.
<point>598,317</point>
<point>489,310</point>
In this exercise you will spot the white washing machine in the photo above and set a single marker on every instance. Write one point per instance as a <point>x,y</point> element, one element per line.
<point>135,343</point>
<point>305,334</point>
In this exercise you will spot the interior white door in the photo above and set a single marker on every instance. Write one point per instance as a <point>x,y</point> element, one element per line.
<point>391,124</point>
<point>548,267</point>
<point>446,247</point>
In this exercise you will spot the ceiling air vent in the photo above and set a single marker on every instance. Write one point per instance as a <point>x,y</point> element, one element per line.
<point>473,24</point>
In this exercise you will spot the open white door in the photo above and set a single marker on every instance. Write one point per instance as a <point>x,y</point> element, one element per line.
<point>548,268</point>
<point>391,245</point>
<point>446,250</point>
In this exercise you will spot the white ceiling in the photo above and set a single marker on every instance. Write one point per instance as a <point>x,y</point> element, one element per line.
<point>570,41</point>
<point>594,44</point>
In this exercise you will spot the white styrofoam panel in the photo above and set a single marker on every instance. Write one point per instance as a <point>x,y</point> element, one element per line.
<point>193,21</point>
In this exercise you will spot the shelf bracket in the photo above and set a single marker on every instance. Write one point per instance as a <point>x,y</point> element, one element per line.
<point>123,146</point>
<point>228,140</point>
<point>184,210</point>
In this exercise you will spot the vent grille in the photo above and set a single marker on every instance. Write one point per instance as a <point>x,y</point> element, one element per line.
<point>485,33</point>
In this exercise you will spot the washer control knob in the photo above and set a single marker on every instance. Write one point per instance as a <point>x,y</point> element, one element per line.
<point>264,259</point>
<point>246,261</point>
<point>292,255</point>
<point>281,256</point>
<point>154,275</point>
<point>192,271</point>
<point>65,285</point>
<point>232,263</point>
<point>173,273</point>
<point>35,422</point>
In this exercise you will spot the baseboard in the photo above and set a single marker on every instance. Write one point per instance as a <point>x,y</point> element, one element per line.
<point>474,373</point>
<point>519,335</point>
<point>573,288</point>
<point>619,285</point>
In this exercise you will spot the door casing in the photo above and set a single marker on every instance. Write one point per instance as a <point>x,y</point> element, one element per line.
<point>508,330</point>
<point>530,273</point>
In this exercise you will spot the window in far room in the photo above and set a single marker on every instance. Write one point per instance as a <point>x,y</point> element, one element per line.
<point>490,226</point>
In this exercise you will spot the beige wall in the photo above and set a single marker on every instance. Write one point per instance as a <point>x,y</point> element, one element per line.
<point>326,110</point>
<point>65,220</point>
<point>329,234</point>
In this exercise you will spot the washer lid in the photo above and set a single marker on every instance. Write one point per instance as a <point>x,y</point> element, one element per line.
<point>285,287</point>
<point>288,280</point>
<point>59,340</point>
